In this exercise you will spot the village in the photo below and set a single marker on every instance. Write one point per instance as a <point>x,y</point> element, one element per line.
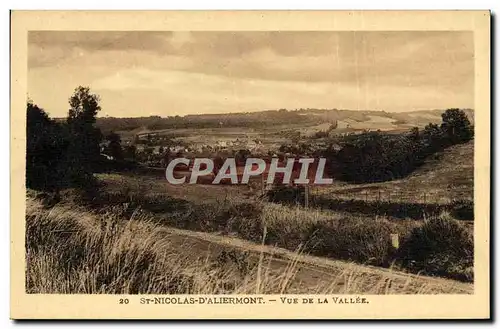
<point>157,149</point>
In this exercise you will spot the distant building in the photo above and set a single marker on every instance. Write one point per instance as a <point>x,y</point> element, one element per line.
<point>336,147</point>
<point>109,157</point>
<point>221,143</point>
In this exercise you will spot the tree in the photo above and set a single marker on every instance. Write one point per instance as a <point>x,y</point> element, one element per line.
<point>45,148</point>
<point>374,157</point>
<point>83,152</point>
<point>218,163</point>
<point>415,134</point>
<point>130,152</point>
<point>63,154</point>
<point>377,156</point>
<point>166,157</point>
<point>114,147</point>
<point>84,106</point>
<point>456,127</point>
<point>242,155</point>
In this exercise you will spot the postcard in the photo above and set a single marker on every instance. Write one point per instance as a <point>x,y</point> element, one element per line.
<point>250,164</point>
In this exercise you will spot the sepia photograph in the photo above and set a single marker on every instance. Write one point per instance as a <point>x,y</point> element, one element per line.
<point>222,166</point>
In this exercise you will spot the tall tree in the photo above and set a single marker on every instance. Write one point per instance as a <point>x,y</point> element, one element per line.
<point>84,106</point>
<point>83,152</point>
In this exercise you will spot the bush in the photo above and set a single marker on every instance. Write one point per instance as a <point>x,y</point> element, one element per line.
<point>285,194</point>
<point>462,209</point>
<point>442,246</point>
<point>361,241</point>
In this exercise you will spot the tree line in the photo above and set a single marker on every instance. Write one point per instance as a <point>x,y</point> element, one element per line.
<point>377,156</point>
<point>200,121</point>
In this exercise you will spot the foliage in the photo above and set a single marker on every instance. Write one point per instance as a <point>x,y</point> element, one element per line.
<point>442,246</point>
<point>83,151</point>
<point>45,149</point>
<point>84,107</point>
<point>63,154</point>
<point>376,156</point>
<point>456,126</point>
<point>353,239</point>
<point>114,146</point>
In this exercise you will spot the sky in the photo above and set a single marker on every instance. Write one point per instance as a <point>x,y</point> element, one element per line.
<point>142,73</point>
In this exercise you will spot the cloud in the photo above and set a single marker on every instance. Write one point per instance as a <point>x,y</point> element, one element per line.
<point>101,40</point>
<point>251,70</point>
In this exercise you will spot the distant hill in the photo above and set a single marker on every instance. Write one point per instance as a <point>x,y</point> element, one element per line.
<point>345,119</point>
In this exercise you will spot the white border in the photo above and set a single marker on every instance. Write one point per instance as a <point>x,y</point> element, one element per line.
<point>186,4</point>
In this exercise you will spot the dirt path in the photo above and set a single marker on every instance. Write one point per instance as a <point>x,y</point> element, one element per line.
<point>308,274</point>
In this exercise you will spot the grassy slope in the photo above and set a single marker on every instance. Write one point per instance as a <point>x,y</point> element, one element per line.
<point>105,254</point>
<point>443,178</point>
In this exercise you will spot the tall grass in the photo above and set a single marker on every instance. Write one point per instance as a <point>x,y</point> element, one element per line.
<point>70,250</point>
<point>334,235</point>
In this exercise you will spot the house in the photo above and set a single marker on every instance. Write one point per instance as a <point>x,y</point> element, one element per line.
<point>109,157</point>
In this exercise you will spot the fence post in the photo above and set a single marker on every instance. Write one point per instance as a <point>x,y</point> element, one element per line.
<point>306,192</point>
<point>395,240</point>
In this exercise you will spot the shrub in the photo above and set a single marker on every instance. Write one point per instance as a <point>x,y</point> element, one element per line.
<point>286,194</point>
<point>322,233</point>
<point>361,241</point>
<point>462,209</point>
<point>441,246</point>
